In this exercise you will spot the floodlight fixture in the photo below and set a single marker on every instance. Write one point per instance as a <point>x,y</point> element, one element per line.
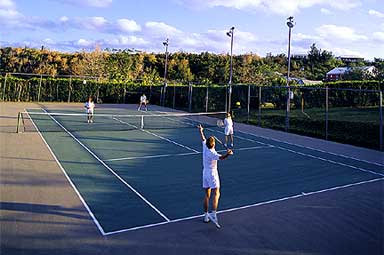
<point>230,34</point>
<point>290,23</point>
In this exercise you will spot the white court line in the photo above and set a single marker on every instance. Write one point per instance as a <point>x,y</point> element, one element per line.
<point>158,136</point>
<point>111,170</point>
<point>303,154</point>
<point>153,156</point>
<point>302,195</point>
<point>98,225</point>
<point>300,153</point>
<point>314,149</point>
<point>248,206</point>
<point>182,154</point>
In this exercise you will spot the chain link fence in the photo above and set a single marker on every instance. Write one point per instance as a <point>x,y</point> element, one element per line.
<point>352,116</point>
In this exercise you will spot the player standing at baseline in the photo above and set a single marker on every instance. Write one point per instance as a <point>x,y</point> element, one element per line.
<point>228,130</point>
<point>143,101</point>
<point>89,106</point>
<point>211,180</point>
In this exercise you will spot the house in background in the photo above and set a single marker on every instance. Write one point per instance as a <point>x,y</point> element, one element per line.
<point>337,73</point>
<point>350,59</point>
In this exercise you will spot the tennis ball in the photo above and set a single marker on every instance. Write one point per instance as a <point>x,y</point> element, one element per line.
<point>237,103</point>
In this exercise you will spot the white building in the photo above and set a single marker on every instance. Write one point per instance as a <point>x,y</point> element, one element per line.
<point>337,73</point>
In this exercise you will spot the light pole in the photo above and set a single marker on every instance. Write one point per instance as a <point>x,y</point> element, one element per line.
<point>165,43</point>
<point>290,24</point>
<point>230,34</point>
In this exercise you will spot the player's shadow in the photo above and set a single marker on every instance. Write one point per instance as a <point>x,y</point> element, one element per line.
<point>42,209</point>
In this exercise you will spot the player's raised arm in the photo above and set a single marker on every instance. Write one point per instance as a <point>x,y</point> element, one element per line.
<point>201,129</point>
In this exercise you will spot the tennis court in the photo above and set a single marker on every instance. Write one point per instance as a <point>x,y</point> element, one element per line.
<point>131,175</point>
<point>130,183</point>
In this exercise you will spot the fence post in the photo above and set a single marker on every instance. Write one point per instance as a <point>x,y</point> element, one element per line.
<point>69,88</point>
<point>260,104</point>
<point>226,98</point>
<point>150,92</point>
<point>161,95</point>
<point>38,94</point>
<point>164,93</point>
<point>326,112</point>
<point>174,96</point>
<point>5,85</point>
<point>206,100</point>
<point>248,102</point>
<point>190,98</point>
<point>381,120</point>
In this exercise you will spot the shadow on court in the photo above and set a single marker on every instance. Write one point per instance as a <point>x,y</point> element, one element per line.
<point>41,209</point>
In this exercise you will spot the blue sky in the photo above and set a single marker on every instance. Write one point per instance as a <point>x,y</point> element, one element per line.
<point>344,27</point>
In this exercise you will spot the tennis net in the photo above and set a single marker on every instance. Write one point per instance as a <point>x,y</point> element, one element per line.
<point>71,122</point>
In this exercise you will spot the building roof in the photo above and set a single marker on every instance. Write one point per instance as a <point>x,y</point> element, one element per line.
<point>343,70</point>
<point>338,70</point>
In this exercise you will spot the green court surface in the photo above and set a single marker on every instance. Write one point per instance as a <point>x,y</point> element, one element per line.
<point>136,178</point>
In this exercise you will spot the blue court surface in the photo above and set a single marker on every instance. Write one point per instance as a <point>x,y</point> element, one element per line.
<point>143,172</point>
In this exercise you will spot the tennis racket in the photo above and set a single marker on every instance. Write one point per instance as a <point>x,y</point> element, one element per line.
<point>220,142</point>
<point>220,123</point>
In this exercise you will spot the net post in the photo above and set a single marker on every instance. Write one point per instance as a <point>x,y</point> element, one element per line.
<point>18,122</point>
<point>142,122</point>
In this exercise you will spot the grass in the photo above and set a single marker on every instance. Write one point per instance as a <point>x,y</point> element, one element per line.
<point>357,126</point>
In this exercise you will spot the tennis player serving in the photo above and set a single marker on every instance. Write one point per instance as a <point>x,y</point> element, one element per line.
<point>211,180</point>
<point>89,106</point>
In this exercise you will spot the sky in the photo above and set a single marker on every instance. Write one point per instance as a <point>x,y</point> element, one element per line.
<point>343,27</point>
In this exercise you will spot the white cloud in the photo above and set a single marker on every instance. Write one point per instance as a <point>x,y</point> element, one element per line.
<point>160,28</point>
<point>376,13</point>
<point>326,11</point>
<point>379,36</point>
<point>301,37</point>
<point>281,7</point>
<point>63,19</point>
<point>127,25</point>
<point>7,4</point>
<point>85,43</point>
<point>332,32</point>
<point>344,52</point>
<point>131,41</point>
<point>94,22</point>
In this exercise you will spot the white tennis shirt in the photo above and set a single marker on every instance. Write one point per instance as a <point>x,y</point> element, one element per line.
<point>89,106</point>
<point>210,158</point>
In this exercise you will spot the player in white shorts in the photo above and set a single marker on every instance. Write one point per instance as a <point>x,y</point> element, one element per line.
<point>228,130</point>
<point>89,106</point>
<point>143,101</point>
<point>211,180</point>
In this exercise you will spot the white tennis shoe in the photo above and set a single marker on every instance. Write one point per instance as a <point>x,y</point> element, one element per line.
<point>206,218</point>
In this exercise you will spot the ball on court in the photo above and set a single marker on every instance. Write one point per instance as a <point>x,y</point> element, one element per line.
<point>237,103</point>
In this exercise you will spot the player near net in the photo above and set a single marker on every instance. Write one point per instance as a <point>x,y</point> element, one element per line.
<point>143,101</point>
<point>211,180</point>
<point>228,129</point>
<point>89,108</point>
